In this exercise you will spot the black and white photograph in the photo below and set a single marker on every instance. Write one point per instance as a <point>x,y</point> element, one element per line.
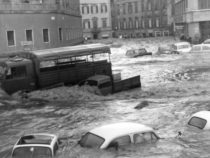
<point>104,78</point>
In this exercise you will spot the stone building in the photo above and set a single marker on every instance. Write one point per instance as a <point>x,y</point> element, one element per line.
<point>192,18</point>
<point>143,18</point>
<point>39,24</point>
<point>96,18</point>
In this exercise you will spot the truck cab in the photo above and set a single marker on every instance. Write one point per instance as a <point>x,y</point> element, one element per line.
<point>16,73</point>
<point>102,82</point>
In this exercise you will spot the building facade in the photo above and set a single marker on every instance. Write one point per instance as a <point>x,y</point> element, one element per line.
<point>96,18</point>
<point>192,18</point>
<point>143,18</point>
<point>39,24</point>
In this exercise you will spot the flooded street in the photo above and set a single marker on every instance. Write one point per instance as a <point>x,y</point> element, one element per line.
<point>173,88</point>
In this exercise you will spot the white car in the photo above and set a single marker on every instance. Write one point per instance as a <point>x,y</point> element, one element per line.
<point>118,134</point>
<point>36,146</point>
<point>200,120</point>
<point>181,47</point>
<point>201,48</point>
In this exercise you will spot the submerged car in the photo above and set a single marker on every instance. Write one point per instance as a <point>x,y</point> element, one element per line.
<point>36,146</point>
<point>201,48</point>
<point>176,48</point>
<point>168,49</point>
<point>133,53</point>
<point>200,120</point>
<point>182,47</point>
<point>118,134</point>
<point>207,41</point>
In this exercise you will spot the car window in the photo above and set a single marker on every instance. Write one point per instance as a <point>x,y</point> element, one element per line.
<point>90,140</point>
<point>121,141</point>
<point>183,46</point>
<point>32,152</point>
<point>144,137</point>
<point>197,122</point>
<point>196,48</point>
<point>206,48</point>
<point>106,84</point>
<point>174,47</point>
<point>55,149</point>
<point>142,50</point>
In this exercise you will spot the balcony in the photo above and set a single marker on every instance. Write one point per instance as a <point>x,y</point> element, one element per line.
<point>37,8</point>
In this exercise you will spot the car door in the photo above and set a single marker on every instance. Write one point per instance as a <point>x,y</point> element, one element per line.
<point>206,49</point>
<point>196,49</point>
<point>146,137</point>
<point>120,142</point>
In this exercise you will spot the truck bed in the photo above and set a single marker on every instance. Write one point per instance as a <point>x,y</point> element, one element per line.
<point>126,84</point>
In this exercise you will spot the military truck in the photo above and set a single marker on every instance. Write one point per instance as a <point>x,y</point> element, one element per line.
<point>27,71</point>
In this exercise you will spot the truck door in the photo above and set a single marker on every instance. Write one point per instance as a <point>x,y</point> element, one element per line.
<point>19,78</point>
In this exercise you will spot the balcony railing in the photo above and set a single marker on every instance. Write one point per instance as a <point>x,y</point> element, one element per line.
<point>41,8</point>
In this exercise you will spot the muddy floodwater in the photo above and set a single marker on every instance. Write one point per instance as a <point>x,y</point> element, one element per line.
<point>173,88</point>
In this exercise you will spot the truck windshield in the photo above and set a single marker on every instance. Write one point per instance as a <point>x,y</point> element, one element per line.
<point>32,152</point>
<point>90,140</point>
<point>197,122</point>
<point>92,82</point>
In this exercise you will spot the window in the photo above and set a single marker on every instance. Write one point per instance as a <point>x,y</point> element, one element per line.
<point>83,9</point>
<point>16,72</point>
<point>31,151</point>
<point>147,137</point>
<point>150,23</point>
<point>121,141</point>
<point>103,8</point>
<point>206,48</point>
<point>104,22</point>
<point>29,35</point>
<point>118,9</point>
<point>94,9</point>
<point>143,23</point>
<point>45,35</point>
<point>203,4</point>
<point>60,34</point>
<point>130,23</point>
<point>149,6</point>
<point>136,22</point>
<point>10,38</point>
<point>55,149</point>
<point>197,122</point>
<point>90,140</point>
<point>95,23</point>
<point>196,48</point>
<point>124,9</point>
<point>157,22</point>
<point>130,8</point>
<point>136,7</point>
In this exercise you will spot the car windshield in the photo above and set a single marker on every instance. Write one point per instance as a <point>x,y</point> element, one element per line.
<point>197,122</point>
<point>90,140</point>
<point>32,152</point>
<point>183,46</point>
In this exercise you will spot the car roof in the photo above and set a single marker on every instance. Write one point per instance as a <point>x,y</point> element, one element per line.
<point>115,130</point>
<point>202,44</point>
<point>207,40</point>
<point>202,114</point>
<point>38,139</point>
<point>181,43</point>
